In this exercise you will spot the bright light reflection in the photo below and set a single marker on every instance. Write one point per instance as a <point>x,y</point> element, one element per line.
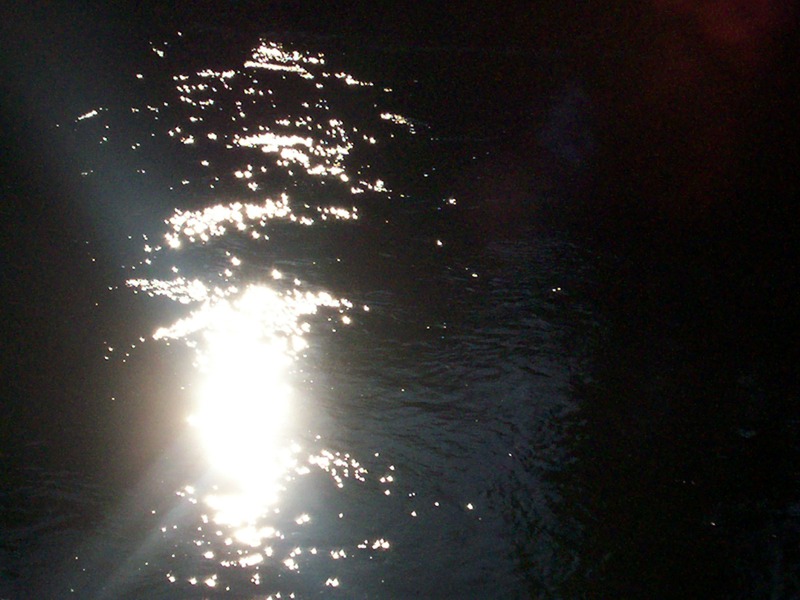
<point>246,343</point>
<point>246,337</point>
<point>244,402</point>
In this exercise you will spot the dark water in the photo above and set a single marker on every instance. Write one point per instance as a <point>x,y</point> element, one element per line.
<point>342,312</point>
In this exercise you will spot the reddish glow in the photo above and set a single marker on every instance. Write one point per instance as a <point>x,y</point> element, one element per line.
<point>744,28</point>
<point>690,111</point>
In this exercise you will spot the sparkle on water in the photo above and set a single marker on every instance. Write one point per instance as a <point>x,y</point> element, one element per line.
<point>248,335</point>
<point>256,160</point>
<point>244,401</point>
<point>246,345</point>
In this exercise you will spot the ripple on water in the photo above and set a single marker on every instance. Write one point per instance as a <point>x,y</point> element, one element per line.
<point>372,408</point>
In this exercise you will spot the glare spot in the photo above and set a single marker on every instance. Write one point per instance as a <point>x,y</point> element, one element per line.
<point>251,560</point>
<point>244,402</point>
<point>88,115</point>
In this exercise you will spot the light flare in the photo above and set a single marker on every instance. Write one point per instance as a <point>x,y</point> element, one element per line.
<point>243,406</point>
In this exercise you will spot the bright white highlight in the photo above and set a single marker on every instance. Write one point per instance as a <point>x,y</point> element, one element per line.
<point>243,406</point>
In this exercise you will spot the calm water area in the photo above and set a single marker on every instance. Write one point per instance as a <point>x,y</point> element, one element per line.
<point>295,315</point>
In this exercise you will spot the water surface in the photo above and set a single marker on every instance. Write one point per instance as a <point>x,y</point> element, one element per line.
<point>339,351</point>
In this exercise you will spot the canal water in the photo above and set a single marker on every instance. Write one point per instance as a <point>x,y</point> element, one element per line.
<point>314,325</point>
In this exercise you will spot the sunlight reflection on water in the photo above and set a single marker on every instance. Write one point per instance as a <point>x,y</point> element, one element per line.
<point>245,347</point>
<point>320,456</point>
<point>246,321</point>
<point>244,404</point>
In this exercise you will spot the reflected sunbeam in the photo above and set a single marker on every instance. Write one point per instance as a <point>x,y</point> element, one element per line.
<point>243,407</point>
<point>280,158</point>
